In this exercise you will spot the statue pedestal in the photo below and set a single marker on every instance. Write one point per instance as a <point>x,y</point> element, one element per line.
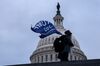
<point>95,62</point>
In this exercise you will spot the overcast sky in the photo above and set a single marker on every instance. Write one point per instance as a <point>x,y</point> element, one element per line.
<point>17,41</point>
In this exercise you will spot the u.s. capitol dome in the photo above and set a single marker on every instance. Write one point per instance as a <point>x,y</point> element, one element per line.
<point>45,51</point>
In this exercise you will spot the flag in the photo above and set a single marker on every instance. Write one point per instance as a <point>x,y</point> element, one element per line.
<point>45,28</point>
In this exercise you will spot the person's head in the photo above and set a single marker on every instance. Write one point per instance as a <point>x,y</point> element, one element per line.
<point>68,32</point>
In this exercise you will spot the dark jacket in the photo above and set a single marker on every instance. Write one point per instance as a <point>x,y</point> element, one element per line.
<point>63,43</point>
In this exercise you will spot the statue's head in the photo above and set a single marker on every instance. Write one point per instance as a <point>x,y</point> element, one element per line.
<point>68,32</point>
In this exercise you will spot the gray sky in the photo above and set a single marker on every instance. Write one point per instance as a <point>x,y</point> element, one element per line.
<point>17,41</point>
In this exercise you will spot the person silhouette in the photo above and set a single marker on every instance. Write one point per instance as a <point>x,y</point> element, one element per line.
<point>62,45</point>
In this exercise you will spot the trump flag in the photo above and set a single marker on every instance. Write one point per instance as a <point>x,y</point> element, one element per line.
<point>45,28</point>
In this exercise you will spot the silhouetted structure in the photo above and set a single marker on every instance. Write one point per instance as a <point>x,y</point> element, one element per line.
<point>58,7</point>
<point>44,52</point>
<point>62,45</point>
<point>95,62</point>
